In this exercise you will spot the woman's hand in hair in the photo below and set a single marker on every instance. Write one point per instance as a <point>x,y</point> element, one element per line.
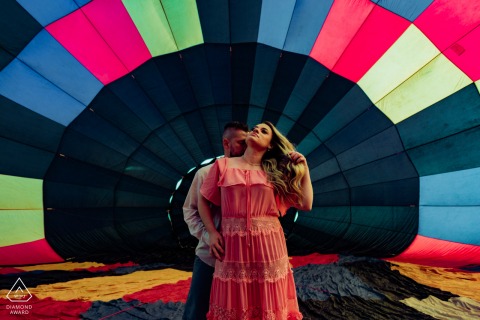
<point>297,157</point>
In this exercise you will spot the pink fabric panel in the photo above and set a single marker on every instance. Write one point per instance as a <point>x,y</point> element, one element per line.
<point>380,30</point>
<point>81,39</point>
<point>445,21</point>
<point>439,253</point>
<point>465,54</point>
<point>341,25</point>
<point>113,22</point>
<point>28,253</point>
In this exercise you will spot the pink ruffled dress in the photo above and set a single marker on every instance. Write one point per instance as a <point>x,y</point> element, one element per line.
<point>254,280</point>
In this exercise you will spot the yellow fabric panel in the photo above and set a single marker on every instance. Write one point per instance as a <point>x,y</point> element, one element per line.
<point>64,266</point>
<point>405,57</point>
<point>106,288</point>
<point>461,307</point>
<point>20,226</point>
<point>152,23</point>
<point>465,284</point>
<point>20,193</point>
<point>437,80</point>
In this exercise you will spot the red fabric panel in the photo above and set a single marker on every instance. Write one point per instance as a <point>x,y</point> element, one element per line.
<point>379,31</point>
<point>108,267</point>
<point>314,258</point>
<point>28,253</point>
<point>175,292</point>
<point>444,22</point>
<point>439,253</point>
<point>341,25</point>
<point>465,54</point>
<point>44,309</point>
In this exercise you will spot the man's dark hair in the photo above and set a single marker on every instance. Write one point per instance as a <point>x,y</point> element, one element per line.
<point>235,125</point>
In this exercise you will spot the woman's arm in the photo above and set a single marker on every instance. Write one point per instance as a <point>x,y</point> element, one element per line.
<point>305,183</point>
<point>215,238</point>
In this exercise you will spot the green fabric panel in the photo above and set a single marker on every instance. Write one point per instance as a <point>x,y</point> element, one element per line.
<point>405,57</point>
<point>184,21</point>
<point>20,193</point>
<point>20,226</point>
<point>434,82</point>
<point>153,25</point>
<point>437,156</point>
<point>456,113</point>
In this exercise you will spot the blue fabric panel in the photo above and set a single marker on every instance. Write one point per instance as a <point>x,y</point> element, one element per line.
<point>274,22</point>
<point>26,87</point>
<point>49,59</point>
<point>214,18</point>
<point>307,20</point>
<point>244,20</point>
<point>186,128</point>
<point>409,10</point>
<point>47,11</point>
<point>451,223</point>
<point>459,188</point>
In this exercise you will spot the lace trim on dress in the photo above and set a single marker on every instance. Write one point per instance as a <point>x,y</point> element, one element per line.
<point>217,312</point>
<point>253,271</point>
<point>259,226</point>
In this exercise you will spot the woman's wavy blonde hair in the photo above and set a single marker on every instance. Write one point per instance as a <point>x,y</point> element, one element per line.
<point>282,173</point>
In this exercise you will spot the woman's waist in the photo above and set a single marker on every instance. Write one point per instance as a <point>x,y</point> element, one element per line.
<point>253,222</point>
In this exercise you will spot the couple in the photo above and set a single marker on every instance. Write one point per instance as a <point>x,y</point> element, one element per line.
<point>245,263</point>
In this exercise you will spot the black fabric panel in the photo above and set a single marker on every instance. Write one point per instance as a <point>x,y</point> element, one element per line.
<point>215,20</point>
<point>129,92</point>
<point>436,157</point>
<point>456,113</point>
<point>331,198</point>
<point>25,126</point>
<point>214,128</point>
<point>318,156</point>
<point>77,146</point>
<point>394,193</point>
<point>198,125</point>
<point>21,160</point>
<point>328,95</point>
<point>381,231</point>
<point>382,145</point>
<point>354,103</point>
<point>74,233</point>
<point>368,124</point>
<point>186,131</point>
<point>177,81</point>
<point>243,58</point>
<point>220,68</point>
<point>17,27</point>
<point>144,227</point>
<point>150,78</point>
<point>196,66</point>
<point>396,167</point>
<point>266,63</point>
<point>109,107</point>
<point>100,129</point>
<point>131,192</point>
<point>288,72</point>
<point>330,183</point>
<point>244,20</point>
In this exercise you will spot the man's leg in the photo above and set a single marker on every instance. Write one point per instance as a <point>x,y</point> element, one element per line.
<point>198,298</point>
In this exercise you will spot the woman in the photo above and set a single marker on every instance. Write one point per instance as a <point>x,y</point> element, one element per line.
<point>253,278</point>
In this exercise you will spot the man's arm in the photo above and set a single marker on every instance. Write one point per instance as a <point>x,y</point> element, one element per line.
<point>190,207</point>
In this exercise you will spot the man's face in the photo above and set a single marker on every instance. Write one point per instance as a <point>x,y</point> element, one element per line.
<point>237,144</point>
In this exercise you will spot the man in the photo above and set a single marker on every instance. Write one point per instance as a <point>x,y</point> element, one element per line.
<point>196,308</point>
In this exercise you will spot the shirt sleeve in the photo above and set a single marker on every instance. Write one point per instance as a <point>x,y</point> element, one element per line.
<point>210,189</point>
<point>190,206</point>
